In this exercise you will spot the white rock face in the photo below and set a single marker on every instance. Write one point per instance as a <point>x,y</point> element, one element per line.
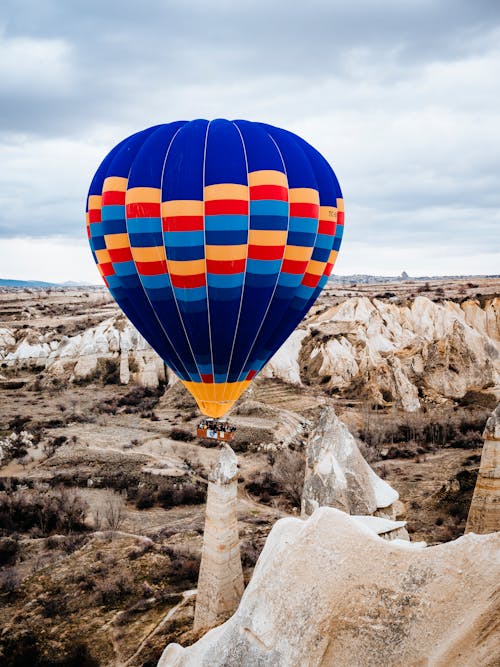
<point>115,338</point>
<point>328,592</point>
<point>285,364</point>
<point>7,339</point>
<point>391,351</point>
<point>337,475</point>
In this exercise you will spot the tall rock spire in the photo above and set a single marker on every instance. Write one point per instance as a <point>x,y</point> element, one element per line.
<point>220,583</point>
<point>484,512</point>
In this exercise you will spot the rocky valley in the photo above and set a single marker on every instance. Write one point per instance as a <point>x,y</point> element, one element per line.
<point>375,406</point>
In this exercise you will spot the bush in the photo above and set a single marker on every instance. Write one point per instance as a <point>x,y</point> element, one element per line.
<point>49,511</point>
<point>181,435</point>
<point>9,550</point>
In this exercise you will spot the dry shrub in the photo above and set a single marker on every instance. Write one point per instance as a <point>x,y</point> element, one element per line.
<point>58,510</point>
<point>288,469</point>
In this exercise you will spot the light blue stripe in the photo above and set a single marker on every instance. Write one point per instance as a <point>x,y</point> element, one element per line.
<point>263,266</point>
<point>324,241</point>
<point>154,282</point>
<point>191,293</point>
<point>114,281</point>
<point>322,282</point>
<point>205,369</point>
<point>290,279</point>
<point>124,268</point>
<point>215,223</point>
<point>179,239</point>
<point>115,212</point>
<point>309,225</point>
<point>304,292</point>
<point>225,280</point>
<point>143,225</point>
<point>339,232</point>
<point>268,207</point>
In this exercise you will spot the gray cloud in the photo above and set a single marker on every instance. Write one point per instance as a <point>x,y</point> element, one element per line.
<point>401,96</point>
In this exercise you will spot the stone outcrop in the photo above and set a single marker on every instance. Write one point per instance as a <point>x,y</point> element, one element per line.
<point>389,353</point>
<point>337,475</point>
<point>220,582</point>
<point>327,591</point>
<point>396,353</point>
<point>484,513</point>
<point>78,356</point>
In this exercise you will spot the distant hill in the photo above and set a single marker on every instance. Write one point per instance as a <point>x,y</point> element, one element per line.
<point>6,282</point>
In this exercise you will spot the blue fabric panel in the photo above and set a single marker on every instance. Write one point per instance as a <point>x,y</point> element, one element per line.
<point>268,222</point>
<point>301,238</point>
<point>186,253</point>
<point>113,212</point>
<point>149,240</point>
<point>226,281</point>
<point>269,207</point>
<point>181,239</point>
<point>114,226</point>
<point>184,163</point>
<point>216,223</point>
<point>97,242</point>
<point>264,266</point>
<point>261,150</point>
<point>227,237</point>
<point>225,156</point>
<point>143,225</point>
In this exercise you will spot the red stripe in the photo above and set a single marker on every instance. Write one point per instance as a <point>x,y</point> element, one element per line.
<point>107,269</point>
<point>143,210</point>
<point>183,223</point>
<point>327,227</point>
<point>151,268</point>
<point>340,217</point>
<point>94,215</point>
<point>278,192</point>
<point>207,377</point>
<point>304,210</point>
<point>225,266</point>
<point>226,206</point>
<point>250,375</point>
<point>328,269</point>
<point>120,255</point>
<point>294,266</point>
<point>196,280</point>
<point>310,280</point>
<point>266,251</point>
<point>89,235</point>
<point>113,198</point>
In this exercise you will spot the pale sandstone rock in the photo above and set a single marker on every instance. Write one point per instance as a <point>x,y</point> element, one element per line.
<point>446,348</point>
<point>220,582</point>
<point>484,512</point>
<point>7,339</point>
<point>328,592</point>
<point>337,475</point>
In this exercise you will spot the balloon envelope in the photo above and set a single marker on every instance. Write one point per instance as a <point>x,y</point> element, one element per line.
<point>215,238</point>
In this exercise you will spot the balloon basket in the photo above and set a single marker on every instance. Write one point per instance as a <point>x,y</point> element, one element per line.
<point>215,429</point>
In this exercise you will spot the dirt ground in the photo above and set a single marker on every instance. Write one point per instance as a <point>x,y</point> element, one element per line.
<point>116,594</point>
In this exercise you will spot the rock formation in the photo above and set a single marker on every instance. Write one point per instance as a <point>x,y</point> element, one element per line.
<point>389,353</point>
<point>78,356</point>
<point>337,475</point>
<point>220,582</point>
<point>396,353</point>
<point>484,513</point>
<point>327,591</point>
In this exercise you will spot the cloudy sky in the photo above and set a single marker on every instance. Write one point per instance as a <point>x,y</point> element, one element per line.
<point>401,96</point>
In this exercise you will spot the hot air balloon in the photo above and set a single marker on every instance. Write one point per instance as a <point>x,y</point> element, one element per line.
<point>215,238</point>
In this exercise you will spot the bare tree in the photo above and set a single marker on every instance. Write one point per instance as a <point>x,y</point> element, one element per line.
<point>114,510</point>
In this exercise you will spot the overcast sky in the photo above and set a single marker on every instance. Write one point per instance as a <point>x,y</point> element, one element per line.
<point>401,96</point>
